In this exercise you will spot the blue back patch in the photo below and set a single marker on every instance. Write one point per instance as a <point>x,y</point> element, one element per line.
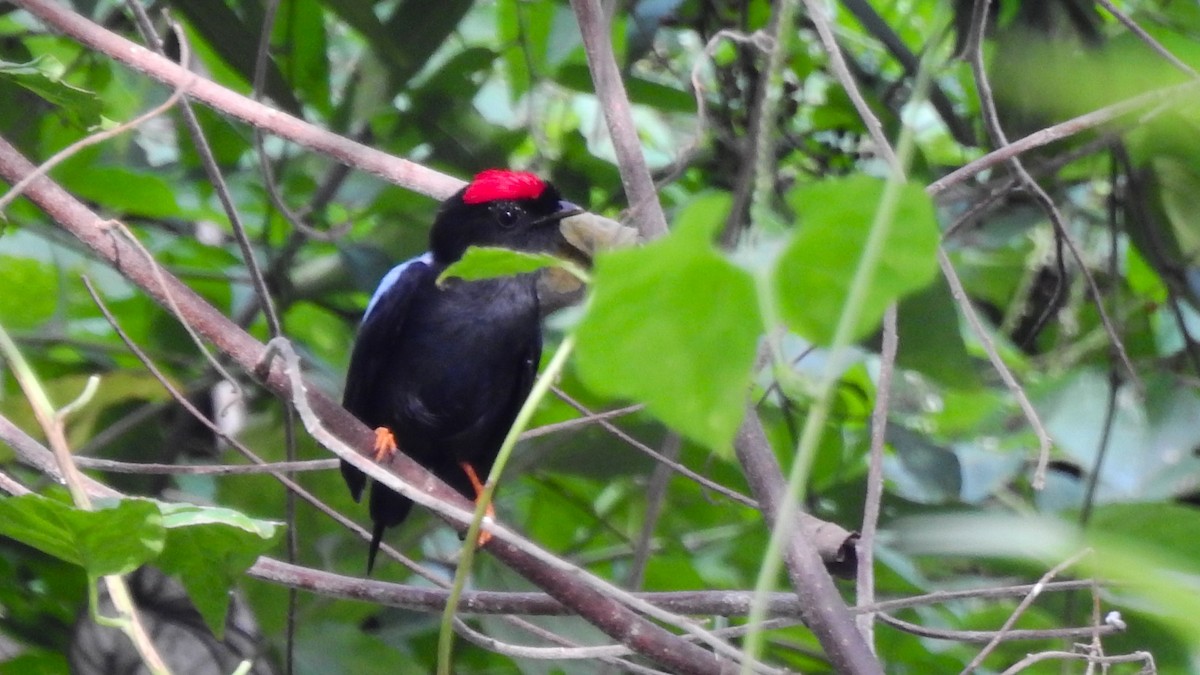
<point>392,278</point>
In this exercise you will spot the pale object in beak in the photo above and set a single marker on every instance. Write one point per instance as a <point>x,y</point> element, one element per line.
<point>589,233</point>
<point>585,234</point>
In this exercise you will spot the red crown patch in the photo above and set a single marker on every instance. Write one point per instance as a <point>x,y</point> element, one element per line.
<point>495,184</point>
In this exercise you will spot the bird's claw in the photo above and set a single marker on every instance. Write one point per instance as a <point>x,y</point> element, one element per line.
<point>385,444</point>
<point>489,515</point>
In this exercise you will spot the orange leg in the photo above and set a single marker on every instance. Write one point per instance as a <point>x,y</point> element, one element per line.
<point>385,444</point>
<point>484,535</point>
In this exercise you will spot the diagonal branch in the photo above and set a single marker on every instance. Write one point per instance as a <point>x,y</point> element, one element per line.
<point>393,169</point>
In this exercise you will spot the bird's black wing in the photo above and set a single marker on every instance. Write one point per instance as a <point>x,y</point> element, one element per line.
<point>382,324</point>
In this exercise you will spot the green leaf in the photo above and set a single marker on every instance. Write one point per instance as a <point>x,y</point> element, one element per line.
<point>641,91</point>
<point>43,76</point>
<point>927,324</point>
<point>487,262</point>
<point>224,33</point>
<point>113,539</point>
<point>306,59</point>
<point>1147,550</point>
<point>674,325</point>
<point>817,268</point>
<point>508,30</point>
<point>35,662</point>
<point>118,188</point>
<point>35,286</point>
<point>209,548</point>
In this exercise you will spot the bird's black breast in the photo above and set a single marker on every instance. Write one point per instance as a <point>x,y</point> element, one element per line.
<point>446,368</point>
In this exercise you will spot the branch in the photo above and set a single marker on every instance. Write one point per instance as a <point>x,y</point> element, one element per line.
<point>426,599</point>
<point>823,609</point>
<point>610,91</point>
<point>1158,97</point>
<point>393,169</point>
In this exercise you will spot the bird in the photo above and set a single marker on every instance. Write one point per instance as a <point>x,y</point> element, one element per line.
<point>439,369</point>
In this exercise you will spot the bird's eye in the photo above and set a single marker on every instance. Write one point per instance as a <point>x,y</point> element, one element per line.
<point>508,215</point>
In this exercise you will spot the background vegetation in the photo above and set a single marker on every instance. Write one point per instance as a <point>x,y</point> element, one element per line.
<point>1016,179</point>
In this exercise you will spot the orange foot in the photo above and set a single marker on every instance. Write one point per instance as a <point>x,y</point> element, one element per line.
<point>385,444</point>
<point>484,535</point>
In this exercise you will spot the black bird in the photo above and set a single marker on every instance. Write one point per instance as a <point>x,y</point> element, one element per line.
<point>441,371</point>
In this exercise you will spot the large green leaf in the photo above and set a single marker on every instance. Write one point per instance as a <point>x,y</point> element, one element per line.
<point>113,539</point>
<point>817,268</point>
<point>209,548</point>
<point>674,325</point>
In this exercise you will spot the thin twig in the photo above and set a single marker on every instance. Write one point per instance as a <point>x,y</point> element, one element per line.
<point>588,419</point>
<point>983,636</point>
<point>541,653</point>
<point>53,424</point>
<point>274,327</point>
<point>989,347</point>
<point>991,120</point>
<point>1106,429</point>
<point>837,63</point>
<point>1006,630</point>
<point>93,139</point>
<point>655,455</point>
<point>393,169</point>
<point>656,496</point>
<point>762,161</point>
<point>1144,657</point>
<point>170,300</point>
<point>874,496</point>
<point>1142,35</point>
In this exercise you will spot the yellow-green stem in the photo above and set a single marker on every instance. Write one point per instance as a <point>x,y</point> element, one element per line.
<point>814,422</point>
<point>539,390</point>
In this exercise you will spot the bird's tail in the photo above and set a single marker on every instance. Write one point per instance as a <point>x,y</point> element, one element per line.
<point>376,540</point>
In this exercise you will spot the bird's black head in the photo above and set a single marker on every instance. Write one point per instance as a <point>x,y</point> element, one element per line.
<point>509,209</point>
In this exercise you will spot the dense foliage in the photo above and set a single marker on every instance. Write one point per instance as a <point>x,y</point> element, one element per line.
<point>1077,266</point>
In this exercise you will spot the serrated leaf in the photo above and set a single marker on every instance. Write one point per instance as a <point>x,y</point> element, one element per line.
<point>674,325</point>
<point>209,548</point>
<point>816,269</point>
<point>112,539</point>
<point>487,262</point>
